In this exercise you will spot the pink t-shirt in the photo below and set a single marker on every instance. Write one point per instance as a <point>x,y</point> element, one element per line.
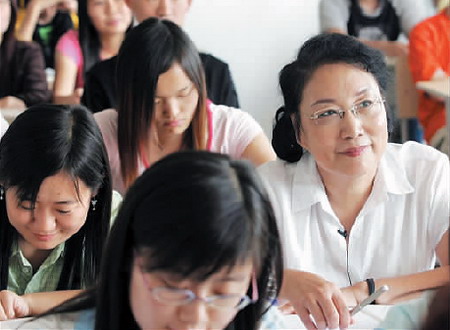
<point>69,45</point>
<point>233,131</point>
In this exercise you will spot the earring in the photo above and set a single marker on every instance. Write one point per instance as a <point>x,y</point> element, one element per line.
<point>2,193</point>
<point>93,203</point>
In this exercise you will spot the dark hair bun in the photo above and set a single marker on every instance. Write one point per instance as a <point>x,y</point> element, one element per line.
<point>284,141</point>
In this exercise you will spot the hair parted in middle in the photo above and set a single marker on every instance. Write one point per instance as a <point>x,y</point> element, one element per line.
<point>41,142</point>
<point>149,50</point>
<point>223,217</point>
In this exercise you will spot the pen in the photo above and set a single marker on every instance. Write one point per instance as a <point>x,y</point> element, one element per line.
<point>369,299</point>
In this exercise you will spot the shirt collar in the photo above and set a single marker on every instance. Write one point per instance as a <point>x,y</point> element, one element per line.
<point>56,253</point>
<point>307,186</point>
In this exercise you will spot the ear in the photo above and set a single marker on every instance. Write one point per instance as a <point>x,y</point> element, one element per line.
<point>299,134</point>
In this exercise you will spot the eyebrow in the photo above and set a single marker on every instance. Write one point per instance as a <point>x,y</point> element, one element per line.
<point>65,202</point>
<point>327,101</point>
<point>191,85</point>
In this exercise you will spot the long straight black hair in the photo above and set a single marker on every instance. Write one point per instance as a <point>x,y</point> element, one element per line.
<point>221,217</point>
<point>88,36</point>
<point>190,214</point>
<point>43,141</point>
<point>149,50</point>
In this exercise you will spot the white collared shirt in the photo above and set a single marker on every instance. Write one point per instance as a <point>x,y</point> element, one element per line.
<point>395,233</point>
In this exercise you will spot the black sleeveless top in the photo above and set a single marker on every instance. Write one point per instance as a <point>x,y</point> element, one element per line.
<point>385,26</point>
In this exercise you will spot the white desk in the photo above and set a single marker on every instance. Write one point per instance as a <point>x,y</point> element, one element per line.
<point>368,318</point>
<point>439,88</point>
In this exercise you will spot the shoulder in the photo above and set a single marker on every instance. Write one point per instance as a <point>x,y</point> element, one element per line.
<point>430,23</point>
<point>70,36</point>
<point>278,174</point>
<point>275,168</point>
<point>104,68</point>
<point>107,119</point>
<point>336,6</point>
<point>225,113</point>
<point>412,154</point>
<point>334,14</point>
<point>235,120</point>
<point>422,166</point>
<point>211,62</point>
<point>68,40</point>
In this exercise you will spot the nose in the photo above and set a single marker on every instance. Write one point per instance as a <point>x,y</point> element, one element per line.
<point>194,315</point>
<point>111,7</point>
<point>164,9</point>
<point>351,126</point>
<point>171,109</point>
<point>43,220</point>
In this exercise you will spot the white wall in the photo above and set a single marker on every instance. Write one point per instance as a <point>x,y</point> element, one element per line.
<point>256,38</point>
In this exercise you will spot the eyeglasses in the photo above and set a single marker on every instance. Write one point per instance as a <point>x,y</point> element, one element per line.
<point>365,110</point>
<point>178,297</point>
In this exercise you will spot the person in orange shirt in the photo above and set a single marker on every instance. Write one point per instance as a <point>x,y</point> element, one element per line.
<point>429,59</point>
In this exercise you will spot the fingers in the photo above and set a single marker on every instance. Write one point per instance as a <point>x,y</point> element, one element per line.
<point>305,317</point>
<point>7,305</point>
<point>326,314</point>
<point>344,315</point>
<point>325,308</point>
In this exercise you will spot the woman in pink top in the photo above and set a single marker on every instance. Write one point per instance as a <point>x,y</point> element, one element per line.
<point>163,107</point>
<point>102,28</point>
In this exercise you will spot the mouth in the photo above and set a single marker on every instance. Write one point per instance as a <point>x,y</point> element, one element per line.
<point>45,237</point>
<point>354,151</point>
<point>174,123</point>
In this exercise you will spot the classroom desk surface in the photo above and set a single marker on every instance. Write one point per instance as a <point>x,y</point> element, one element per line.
<point>368,318</point>
<point>439,88</point>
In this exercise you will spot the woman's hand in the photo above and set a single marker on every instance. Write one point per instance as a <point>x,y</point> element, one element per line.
<point>12,306</point>
<point>311,295</point>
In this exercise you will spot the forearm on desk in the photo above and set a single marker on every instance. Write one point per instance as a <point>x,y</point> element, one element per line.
<point>41,302</point>
<point>404,287</point>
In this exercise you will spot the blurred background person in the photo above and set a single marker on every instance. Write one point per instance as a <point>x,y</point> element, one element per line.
<point>101,84</point>
<point>102,28</point>
<point>44,22</point>
<point>22,69</point>
<point>429,59</point>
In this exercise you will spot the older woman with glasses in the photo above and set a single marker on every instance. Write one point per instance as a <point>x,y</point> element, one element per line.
<point>354,211</point>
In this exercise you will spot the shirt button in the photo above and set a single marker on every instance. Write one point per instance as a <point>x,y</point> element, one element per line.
<point>27,270</point>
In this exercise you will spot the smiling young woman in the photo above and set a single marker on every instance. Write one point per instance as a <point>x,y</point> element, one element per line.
<point>55,206</point>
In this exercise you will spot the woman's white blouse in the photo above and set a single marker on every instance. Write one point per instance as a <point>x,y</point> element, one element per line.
<point>395,233</point>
